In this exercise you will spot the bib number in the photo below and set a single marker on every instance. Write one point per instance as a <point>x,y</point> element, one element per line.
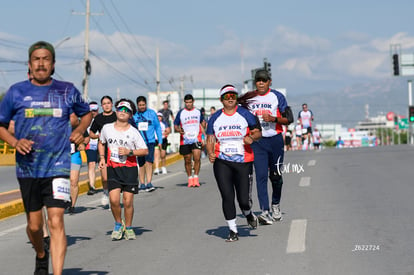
<point>61,189</point>
<point>115,157</point>
<point>143,126</point>
<point>231,149</point>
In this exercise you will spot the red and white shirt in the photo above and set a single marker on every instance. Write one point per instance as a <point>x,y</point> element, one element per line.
<point>273,103</point>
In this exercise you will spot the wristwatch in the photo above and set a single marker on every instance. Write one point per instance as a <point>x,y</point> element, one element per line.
<point>131,153</point>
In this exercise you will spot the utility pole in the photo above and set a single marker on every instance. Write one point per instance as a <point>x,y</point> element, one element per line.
<point>87,68</point>
<point>158,79</point>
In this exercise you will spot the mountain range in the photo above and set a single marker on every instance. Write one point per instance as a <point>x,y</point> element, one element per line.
<point>355,103</point>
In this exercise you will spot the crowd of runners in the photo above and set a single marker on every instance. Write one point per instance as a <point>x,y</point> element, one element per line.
<point>127,140</point>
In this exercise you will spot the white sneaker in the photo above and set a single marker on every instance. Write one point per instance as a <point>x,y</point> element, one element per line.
<point>164,170</point>
<point>105,200</point>
<point>276,213</point>
<point>264,218</point>
<point>156,171</point>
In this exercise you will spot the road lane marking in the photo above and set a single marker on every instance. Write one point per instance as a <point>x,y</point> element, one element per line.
<point>304,181</point>
<point>5,232</point>
<point>312,162</point>
<point>297,236</point>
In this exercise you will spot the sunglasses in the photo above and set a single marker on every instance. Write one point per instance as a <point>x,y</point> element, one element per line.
<point>261,79</point>
<point>123,109</point>
<point>229,96</point>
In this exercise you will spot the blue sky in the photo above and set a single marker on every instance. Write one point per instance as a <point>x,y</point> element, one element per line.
<point>313,46</point>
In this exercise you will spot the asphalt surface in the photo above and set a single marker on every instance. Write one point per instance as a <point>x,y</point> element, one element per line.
<point>345,211</point>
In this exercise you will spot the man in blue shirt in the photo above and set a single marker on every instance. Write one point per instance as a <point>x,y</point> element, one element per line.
<point>41,107</point>
<point>149,126</point>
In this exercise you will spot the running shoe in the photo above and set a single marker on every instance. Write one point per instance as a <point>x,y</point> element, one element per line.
<point>46,242</point>
<point>150,187</point>
<point>156,171</point>
<point>105,199</point>
<point>117,233</point>
<point>233,236</point>
<point>196,183</point>
<point>252,220</point>
<point>142,187</point>
<point>164,170</point>
<point>130,234</point>
<point>264,218</point>
<point>190,182</point>
<point>71,210</point>
<point>42,265</point>
<point>91,191</point>
<point>276,213</point>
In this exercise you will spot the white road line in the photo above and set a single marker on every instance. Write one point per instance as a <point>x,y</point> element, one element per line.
<point>5,232</point>
<point>304,181</point>
<point>297,237</point>
<point>312,162</point>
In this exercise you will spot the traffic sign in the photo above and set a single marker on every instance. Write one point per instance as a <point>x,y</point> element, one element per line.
<point>403,123</point>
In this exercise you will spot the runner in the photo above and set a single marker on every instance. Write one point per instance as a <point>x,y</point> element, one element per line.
<point>107,116</point>
<point>75,164</point>
<point>40,108</point>
<point>92,151</point>
<point>124,144</point>
<point>317,137</point>
<point>160,153</point>
<point>271,108</point>
<point>230,132</point>
<point>298,134</point>
<point>190,124</point>
<point>149,126</point>
<point>305,117</point>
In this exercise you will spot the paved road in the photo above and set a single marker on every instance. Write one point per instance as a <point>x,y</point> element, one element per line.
<point>8,178</point>
<point>347,211</point>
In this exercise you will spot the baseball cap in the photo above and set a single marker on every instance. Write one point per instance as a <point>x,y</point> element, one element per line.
<point>93,107</point>
<point>125,104</point>
<point>228,89</point>
<point>159,114</point>
<point>42,45</point>
<point>262,74</point>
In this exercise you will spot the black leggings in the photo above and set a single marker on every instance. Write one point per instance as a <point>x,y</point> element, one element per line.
<point>230,177</point>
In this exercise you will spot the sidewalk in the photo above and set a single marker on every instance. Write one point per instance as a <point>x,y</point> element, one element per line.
<point>11,202</point>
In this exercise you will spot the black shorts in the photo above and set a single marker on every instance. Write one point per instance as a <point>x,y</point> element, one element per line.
<point>124,187</point>
<point>92,155</point>
<point>38,192</point>
<point>164,144</point>
<point>188,148</point>
<point>288,140</point>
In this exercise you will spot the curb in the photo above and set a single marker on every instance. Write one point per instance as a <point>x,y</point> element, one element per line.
<point>15,207</point>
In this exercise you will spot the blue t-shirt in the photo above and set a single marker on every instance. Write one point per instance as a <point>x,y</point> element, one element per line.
<point>41,114</point>
<point>148,126</point>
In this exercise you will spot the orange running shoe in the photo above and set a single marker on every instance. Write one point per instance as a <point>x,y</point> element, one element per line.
<point>190,182</point>
<point>196,183</point>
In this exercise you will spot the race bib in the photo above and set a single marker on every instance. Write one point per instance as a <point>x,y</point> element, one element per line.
<point>61,189</point>
<point>143,126</point>
<point>93,144</point>
<point>232,149</point>
<point>72,148</point>
<point>115,157</point>
<point>189,135</point>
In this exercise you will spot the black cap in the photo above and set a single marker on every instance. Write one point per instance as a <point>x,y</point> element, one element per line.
<point>262,74</point>
<point>42,45</point>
